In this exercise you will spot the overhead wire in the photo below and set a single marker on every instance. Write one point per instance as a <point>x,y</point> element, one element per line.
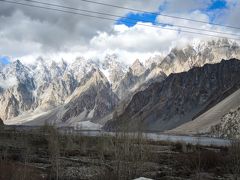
<point>111,19</point>
<point>129,18</point>
<point>160,14</point>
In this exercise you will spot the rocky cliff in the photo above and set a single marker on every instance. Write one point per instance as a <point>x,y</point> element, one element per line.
<point>179,98</point>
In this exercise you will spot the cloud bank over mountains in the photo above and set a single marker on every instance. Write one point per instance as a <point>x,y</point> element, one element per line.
<point>27,33</point>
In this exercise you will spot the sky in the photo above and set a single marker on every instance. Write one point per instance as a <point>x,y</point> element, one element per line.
<point>27,33</point>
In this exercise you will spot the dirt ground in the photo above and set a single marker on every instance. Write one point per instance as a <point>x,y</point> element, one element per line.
<point>46,154</point>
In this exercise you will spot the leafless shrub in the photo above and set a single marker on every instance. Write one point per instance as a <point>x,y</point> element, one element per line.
<point>128,150</point>
<point>234,152</point>
<point>54,150</point>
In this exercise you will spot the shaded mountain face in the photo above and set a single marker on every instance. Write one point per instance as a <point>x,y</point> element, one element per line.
<point>179,98</point>
<point>92,99</point>
<point>211,117</point>
<point>16,94</point>
<point>1,123</point>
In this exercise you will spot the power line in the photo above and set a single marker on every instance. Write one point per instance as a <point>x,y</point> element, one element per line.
<point>134,19</point>
<point>114,20</point>
<point>159,14</point>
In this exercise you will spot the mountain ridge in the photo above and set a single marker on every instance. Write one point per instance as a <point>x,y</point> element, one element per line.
<point>170,103</point>
<point>47,85</point>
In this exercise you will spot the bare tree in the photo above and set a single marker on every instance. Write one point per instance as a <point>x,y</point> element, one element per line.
<point>54,152</point>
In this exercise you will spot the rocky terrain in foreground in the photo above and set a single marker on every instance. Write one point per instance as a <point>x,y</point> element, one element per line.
<point>45,154</point>
<point>229,126</point>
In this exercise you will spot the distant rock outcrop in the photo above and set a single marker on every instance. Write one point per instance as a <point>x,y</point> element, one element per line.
<point>1,123</point>
<point>229,127</point>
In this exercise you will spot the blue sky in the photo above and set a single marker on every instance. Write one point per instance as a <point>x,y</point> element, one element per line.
<point>147,17</point>
<point>218,4</point>
<point>4,59</point>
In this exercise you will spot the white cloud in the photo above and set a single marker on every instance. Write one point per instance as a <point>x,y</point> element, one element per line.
<point>9,82</point>
<point>27,33</point>
<point>195,15</point>
<point>135,39</point>
<point>232,14</point>
<point>178,6</point>
<point>38,30</point>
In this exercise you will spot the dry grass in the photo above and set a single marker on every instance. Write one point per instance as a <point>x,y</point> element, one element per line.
<point>122,156</point>
<point>18,171</point>
<point>234,152</point>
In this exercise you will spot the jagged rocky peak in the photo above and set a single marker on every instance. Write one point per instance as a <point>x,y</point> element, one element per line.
<point>91,100</point>
<point>113,69</point>
<point>137,68</point>
<point>110,59</point>
<point>81,66</point>
<point>55,70</point>
<point>135,79</point>
<point>17,95</point>
<point>63,65</point>
<point>18,74</point>
<point>154,60</point>
<point>183,59</point>
<point>17,69</point>
<point>99,76</point>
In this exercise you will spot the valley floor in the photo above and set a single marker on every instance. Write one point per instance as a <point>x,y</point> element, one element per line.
<point>44,153</point>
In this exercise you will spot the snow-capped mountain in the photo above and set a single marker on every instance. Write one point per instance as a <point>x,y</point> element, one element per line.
<point>17,89</point>
<point>49,84</point>
<point>113,69</point>
<point>183,59</point>
<point>93,99</point>
<point>136,76</point>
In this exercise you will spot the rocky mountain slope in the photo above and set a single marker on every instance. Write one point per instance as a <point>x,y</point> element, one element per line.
<point>179,98</point>
<point>211,118</point>
<point>229,126</point>
<point>47,84</point>
<point>183,59</point>
<point>136,76</point>
<point>91,100</point>
<point>16,94</point>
